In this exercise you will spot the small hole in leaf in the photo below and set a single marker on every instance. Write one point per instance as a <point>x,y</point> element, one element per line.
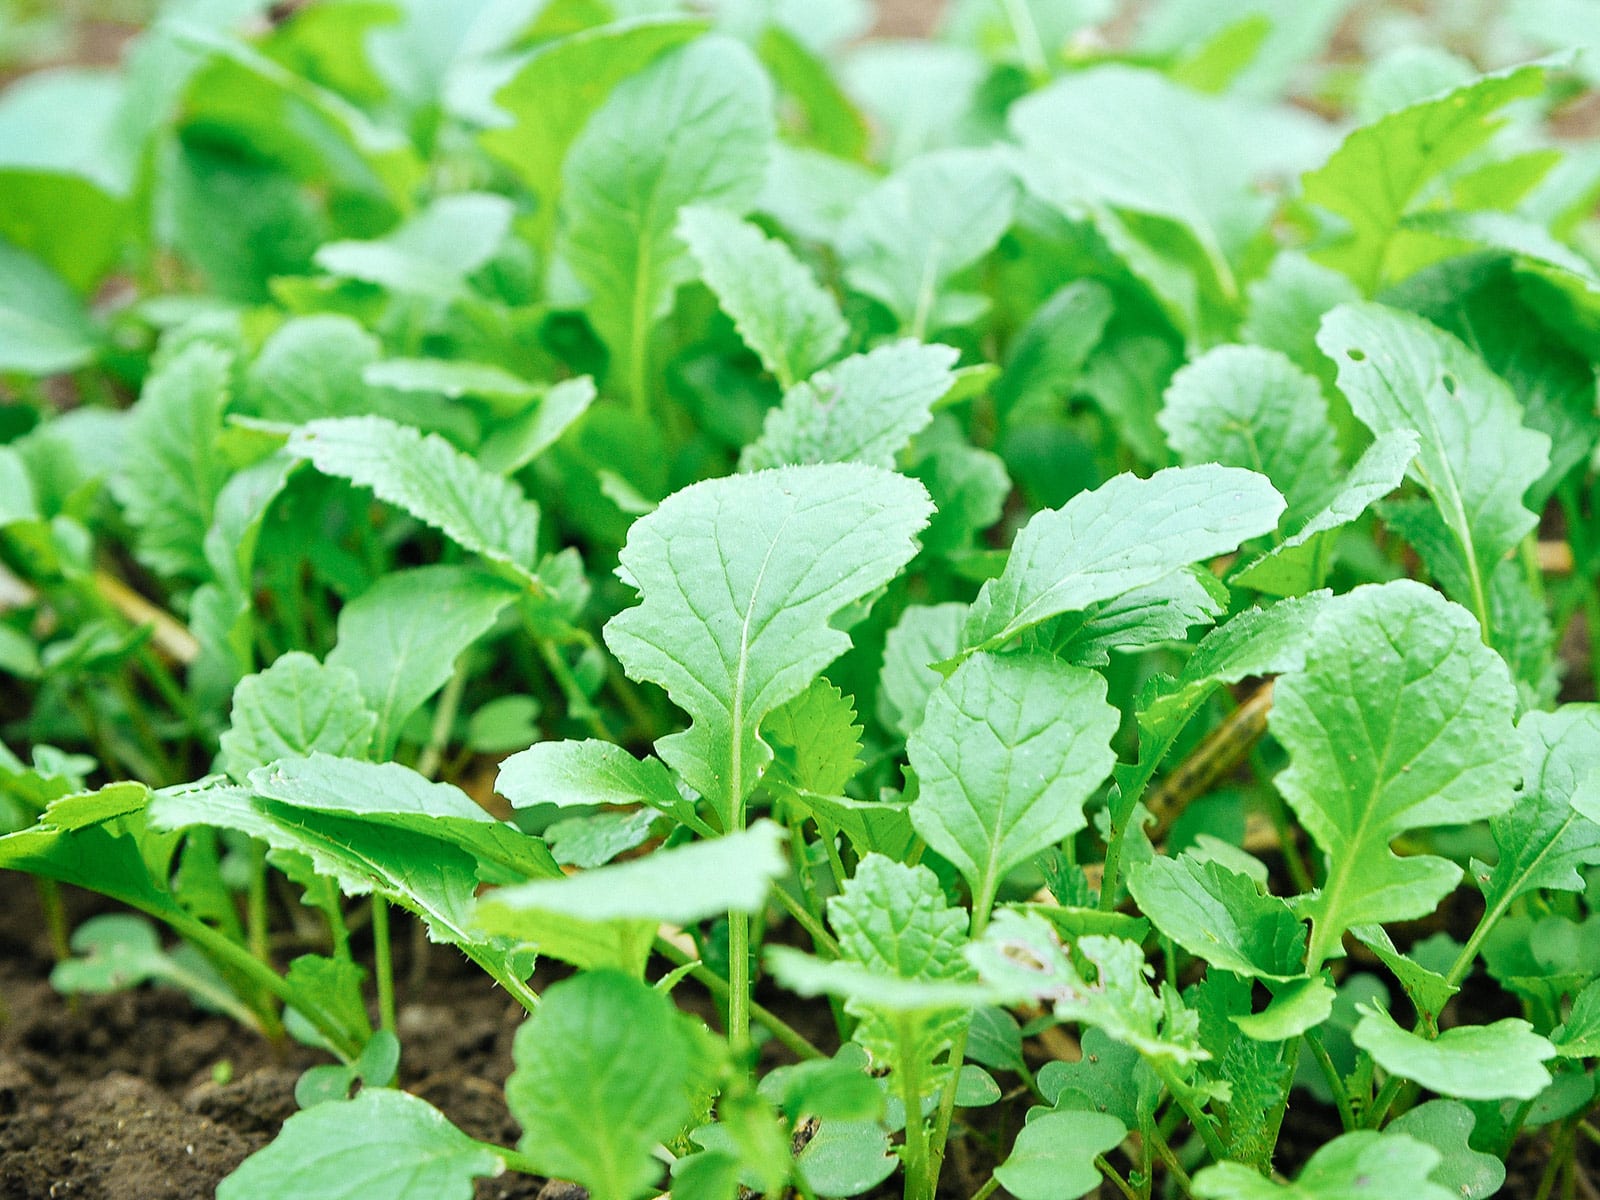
<point>1357,355</point>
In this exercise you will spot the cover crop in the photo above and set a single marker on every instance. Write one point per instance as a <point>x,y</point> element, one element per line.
<point>1054,585</point>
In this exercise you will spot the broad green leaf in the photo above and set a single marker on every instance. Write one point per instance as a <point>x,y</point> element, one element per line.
<point>1123,138</point>
<point>1470,1062</point>
<point>594,840</point>
<point>1400,719</point>
<point>395,797</point>
<point>815,740</point>
<point>1303,1004</point>
<point>846,1158</point>
<point>311,368</point>
<point>1108,1079</point>
<point>1050,350</point>
<point>1382,170</point>
<point>1022,959</point>
<point>687,884</point>
<point>1053,1157</point>
<point>924,635</point>
<point>1579,1035</point>
<point>382,1143</point>
<point>1543,840</point>
<point>1243,406</point>
<point>431,480</point>
<point>1259,641</point>
<point>900,971</point>
<point>691,128</point>
<point>592,772</point>
<point>932,218</point>
<point>559,87</point>
<point>1300,562</point>
<point>402,636</point>
<point>432,253</point>
<point>328,991</point>
<point>169,482</point>
<point>452,379</point>
<point>1287,304</point>
<point>865,409</point>
<point>1476,458</point>
<point>525,437</point>
<point>740,578</point>
<point>1163,611</point>
<point>1220,916</point>
<point>1427,990</point>
<point>419,872</point>
<point>1298,34</point>
<point>881,826</point>
<point>295,707</point>
<point>44,329</point>
<point>1127,533</point>
<point>606,1069</point>
<point>781,311</point>
<point>1036,33</point>
<point>1354,1166</point>
<point>1447,1126</point>
<point>1009,750</point>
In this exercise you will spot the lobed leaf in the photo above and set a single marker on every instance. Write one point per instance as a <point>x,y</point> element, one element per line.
<point>740,578</point>
<point>1470,1062</point>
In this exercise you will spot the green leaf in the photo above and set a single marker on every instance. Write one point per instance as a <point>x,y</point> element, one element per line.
<point>1049,352</point>
<point>295,707</point>
<point>740,578</point>
<point>1127,533</point>
<point>1163,611</point>
<point>924,635</point>
<point>1476,459</point>
<point>559,87</point>
<point>1383,169</point>
<point>1543,840</point>
<point>396,797</point>
<point>1427,990</point>
<point>691,128</point>
<point>815,740</point>
<point>590,772</point>
<point>1447,1126</point>
<point>431,480</point>
<point>1303,1004</point>
<point>691,883</point>
<point>846,1158</point>
<point>527,436</point>
<point>1354,1166</point>
<point>432,253</point>
<point>44,329</point>
<point>1470,1062</point>
<point>1053,1157</point>
<point>594,840</point>
<point>1010,749</point>
<point>1259,641</point>
<point>1243,406</point>
<point>168,483</point>
<point>1299,563</point>
<point>900,971</point>
<point>1579,1035</point>
<point>1400,719</point>
<point>419,871</point>
<point>606,1069</point>
<point>402,636</point>
<point>312,367</point>
<point>1220,916</point>
<point>781,311</point>
<point>906,238</point>
<point>382,1143</point>
<point>448,378</point>
<point>1101,981</point>
<point>865,409</point>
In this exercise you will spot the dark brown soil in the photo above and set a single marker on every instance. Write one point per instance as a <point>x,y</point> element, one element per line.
<point>118,1097</point>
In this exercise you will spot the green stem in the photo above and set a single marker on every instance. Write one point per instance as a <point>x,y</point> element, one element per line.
<point>578,706</point>
<point>1029,44</point>
<point>55,917</point>
<point>444,719</point>
<point>1103,1165</point>
<point>520,991</point>
<point>383,963</point>
<point>1383,1102</point>
<point>1341,1094</point>
<point>236,957</point>
<point>718,986</point>
<point>820,937</point>
<point>1197,1117</point>
<point>920,1182</point>
<point>739,980</point>
<point>986,1190</point>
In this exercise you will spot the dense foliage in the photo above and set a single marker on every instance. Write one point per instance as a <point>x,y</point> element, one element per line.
<point>1051,560</point>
